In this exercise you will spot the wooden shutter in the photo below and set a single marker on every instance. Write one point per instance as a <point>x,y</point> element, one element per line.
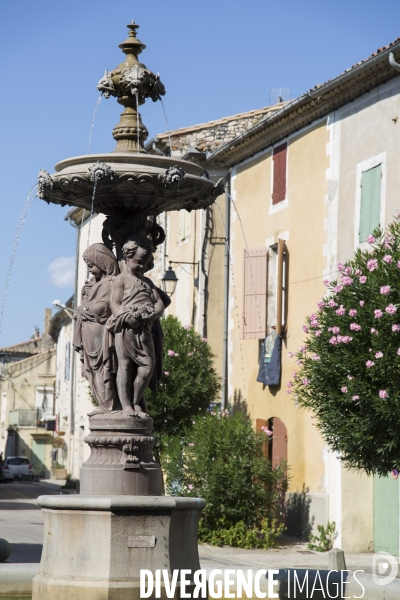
<point>262,423</point>
<point>370,201</point>
<point>255,294</point>
<point>279,186</point>
<point>279,442</point>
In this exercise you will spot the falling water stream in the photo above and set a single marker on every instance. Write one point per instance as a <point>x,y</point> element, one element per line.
<point>25,209</point>
<point>91,210</point>
<point>166,121</point>
<point>137,122</point>
<point>93,120</point>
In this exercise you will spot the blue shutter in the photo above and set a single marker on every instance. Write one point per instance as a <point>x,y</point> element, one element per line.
<point>370,201</point>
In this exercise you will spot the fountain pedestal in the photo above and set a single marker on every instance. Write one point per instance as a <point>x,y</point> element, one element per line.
<point>121,459</point>
<point>95,546</point>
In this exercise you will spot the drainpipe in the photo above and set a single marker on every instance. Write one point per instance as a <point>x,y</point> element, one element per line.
<point>224,396</point>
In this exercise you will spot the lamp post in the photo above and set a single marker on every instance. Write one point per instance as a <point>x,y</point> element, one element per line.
<point>169,279</point>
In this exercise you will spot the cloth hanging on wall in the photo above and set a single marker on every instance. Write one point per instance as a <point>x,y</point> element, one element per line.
<point>269,372</point>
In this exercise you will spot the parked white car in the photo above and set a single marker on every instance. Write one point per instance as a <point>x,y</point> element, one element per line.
<point>17,466</point>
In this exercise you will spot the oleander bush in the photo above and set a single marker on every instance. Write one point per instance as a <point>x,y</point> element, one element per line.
<point>221,460</point>
<point>189,383</point>
<point>349,366</point>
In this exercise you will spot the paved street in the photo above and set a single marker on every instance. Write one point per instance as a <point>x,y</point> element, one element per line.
<point>21,520</point>
<point>21,524</point>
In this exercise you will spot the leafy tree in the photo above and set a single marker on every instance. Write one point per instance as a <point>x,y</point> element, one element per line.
<point>190,382</point>
<point>349,372</point>
<point>221,460</point>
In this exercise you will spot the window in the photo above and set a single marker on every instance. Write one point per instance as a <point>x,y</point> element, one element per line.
<point>370,201</point>
<point>255,293</point>
<point>279,173</point>
<point>184,225</point>
<point>44,401</point>
<point>277,298</point>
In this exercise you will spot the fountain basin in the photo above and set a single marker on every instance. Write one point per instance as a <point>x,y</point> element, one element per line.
<point>140,182</point>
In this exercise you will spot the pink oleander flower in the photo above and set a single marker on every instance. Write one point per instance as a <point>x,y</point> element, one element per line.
<point>332,303</point>
<point>305,381</point>
<point>372,264</point>
<point>191,444</point>
<point>345,339</point>
<point>383,394</point>
<point>305,328</point>
<point>371,239</point>
<point>190,353</point>
<point>166,373</point>
<point>369,364</point>
<point>362,302</point>
<point>391,309</point>
<point>315,357</point>
<point>347,280</point>
<point>338,288</point>
<point>288,390</point>
<point>299,361</point>
<point>267,431</point>
<point>313,316</point>
<point>303,350</point>
<point>190,487</point>
<point>352,312</point>
<point>358,272</point>
<point>321,304</point>
<point>204,339</point>
<point>318,332</point>
<point>398,264</point>
<point>344,389</point>
<point>295,375</point>
<point>347,270</point>
<point>289,384</point>
<point>314,323</point>
<point>355,327</point>
<point>373,330</point>
<point>356,398</point>
<point>398,350</point>
<point>385,290</point>
<point>340,266</point>
<point>395,327</point>
<point>387,259</point>
<point>378,354</point>
<point>335,330</point>
<point>341,311</point>
<point>378,313</point>
<point>290,354</point>
<point>350,377</point>
<point>333,340</point>
<point>188,326</point>
<point>363,279</point>
<point>213,413</point>
<point>326,282</point>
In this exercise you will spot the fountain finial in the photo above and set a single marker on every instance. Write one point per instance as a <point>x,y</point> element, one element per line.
<point>132,83</point>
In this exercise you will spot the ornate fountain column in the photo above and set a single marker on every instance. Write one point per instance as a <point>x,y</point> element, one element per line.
<point>96,543</point>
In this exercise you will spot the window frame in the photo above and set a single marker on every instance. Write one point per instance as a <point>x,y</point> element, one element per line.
<point>366,165</point>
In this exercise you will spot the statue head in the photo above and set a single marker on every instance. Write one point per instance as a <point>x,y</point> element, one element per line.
<point>99,256</point>
<point>138,253</point>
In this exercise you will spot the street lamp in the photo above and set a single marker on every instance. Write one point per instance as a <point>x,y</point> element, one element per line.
<point>169,281</point>
<point>60,304</point>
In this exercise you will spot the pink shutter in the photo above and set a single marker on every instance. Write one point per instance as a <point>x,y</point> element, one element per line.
<point>279,187</point>
<point>255,294</point>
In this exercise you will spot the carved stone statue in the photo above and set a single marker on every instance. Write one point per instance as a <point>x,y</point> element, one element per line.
<point>91,338</point>
<point>136,303</point>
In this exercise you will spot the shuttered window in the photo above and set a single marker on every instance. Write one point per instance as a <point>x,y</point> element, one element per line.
<point>370,201</point>
<point>255,294</point>
<point>279,183</point>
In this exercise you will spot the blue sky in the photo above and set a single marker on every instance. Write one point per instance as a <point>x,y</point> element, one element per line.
<point>216,58</point>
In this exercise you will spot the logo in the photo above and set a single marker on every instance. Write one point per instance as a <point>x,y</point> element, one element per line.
<point>384,568</point>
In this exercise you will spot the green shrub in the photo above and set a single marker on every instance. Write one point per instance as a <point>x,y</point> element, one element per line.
<point>189,384</point>
<point>221,460</point>
<point>325,541</point>
<point>349,372</point>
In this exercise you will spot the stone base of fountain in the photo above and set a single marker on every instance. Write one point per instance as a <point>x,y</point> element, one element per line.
<point>121,459</point>
<point>95,546</point>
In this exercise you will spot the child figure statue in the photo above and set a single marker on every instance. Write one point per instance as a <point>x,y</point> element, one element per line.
<point>135,304</point>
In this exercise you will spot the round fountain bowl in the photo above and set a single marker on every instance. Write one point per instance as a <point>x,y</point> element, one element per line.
<point>133,182</point>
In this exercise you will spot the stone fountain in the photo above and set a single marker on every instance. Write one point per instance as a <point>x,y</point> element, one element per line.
<point>96,543</point>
